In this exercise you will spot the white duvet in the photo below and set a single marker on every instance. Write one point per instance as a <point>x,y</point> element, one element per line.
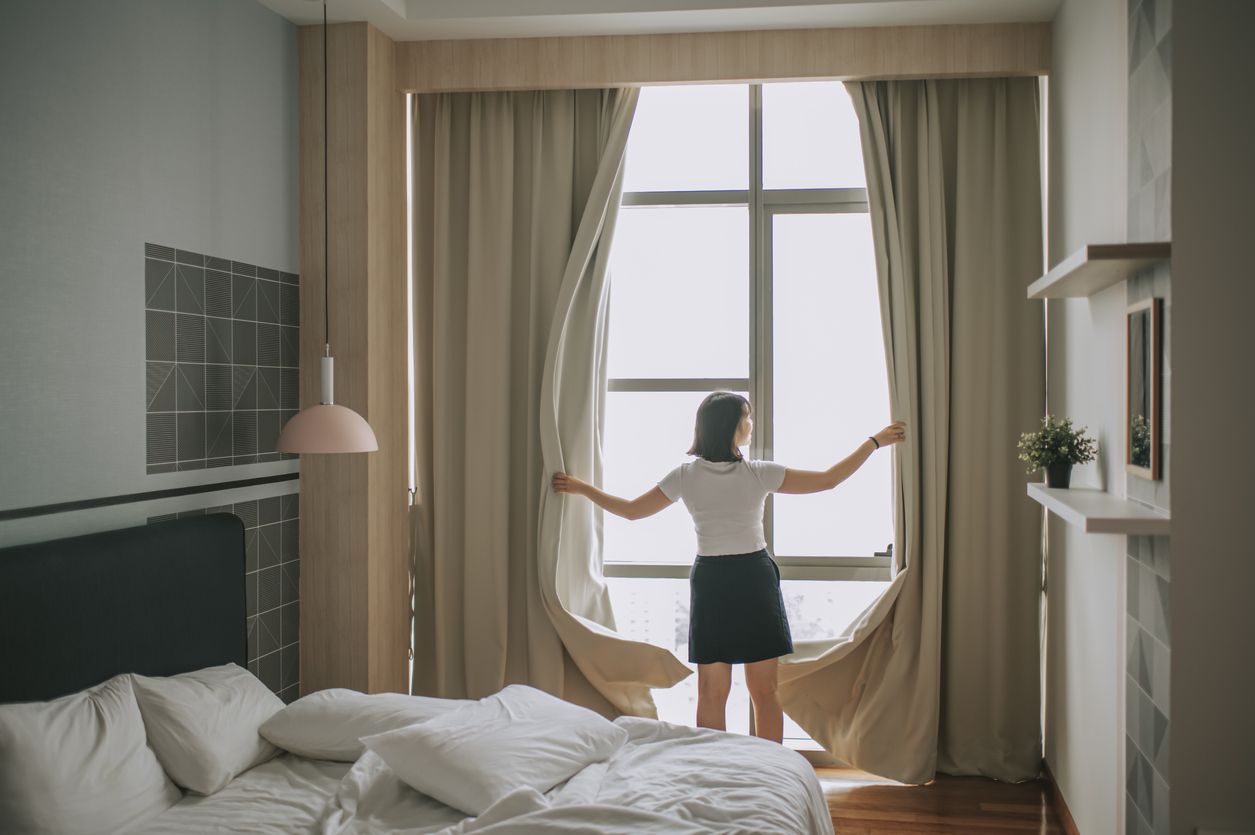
<point>666,779</point>
<point>284,796</point>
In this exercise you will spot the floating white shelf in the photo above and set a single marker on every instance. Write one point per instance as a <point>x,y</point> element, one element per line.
<point>1097,267</point>
<point>1097,511</point>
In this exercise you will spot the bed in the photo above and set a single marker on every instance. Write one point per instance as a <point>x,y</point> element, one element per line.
<point>153,609</point>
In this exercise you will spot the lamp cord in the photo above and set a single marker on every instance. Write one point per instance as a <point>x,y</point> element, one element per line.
<point>326,207</point>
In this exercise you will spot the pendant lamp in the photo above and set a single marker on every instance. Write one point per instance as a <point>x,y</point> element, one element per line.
<point>326,427</point>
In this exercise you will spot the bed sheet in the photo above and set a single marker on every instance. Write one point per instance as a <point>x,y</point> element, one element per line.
<point>284,796</point>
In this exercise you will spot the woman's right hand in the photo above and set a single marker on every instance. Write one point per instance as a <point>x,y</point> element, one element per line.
<point>894,433</point>
<point>563,483</point>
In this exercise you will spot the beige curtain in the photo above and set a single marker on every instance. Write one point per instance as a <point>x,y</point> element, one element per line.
<point>942,672</point>
<point>515,196</point>
<point>991,664</point>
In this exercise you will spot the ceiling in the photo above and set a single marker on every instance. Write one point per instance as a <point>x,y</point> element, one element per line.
<point>421,20</point>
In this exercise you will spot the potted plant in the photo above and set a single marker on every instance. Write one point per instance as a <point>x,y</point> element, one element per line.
<point>1055,449</point>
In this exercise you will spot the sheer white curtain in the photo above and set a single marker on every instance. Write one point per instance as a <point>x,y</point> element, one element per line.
<point>515,197</point>
<point>943,670</point>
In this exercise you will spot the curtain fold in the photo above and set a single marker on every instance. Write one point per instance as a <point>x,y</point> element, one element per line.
<point>572,414</point>
<point>515,196</point>
<point>942,670</point>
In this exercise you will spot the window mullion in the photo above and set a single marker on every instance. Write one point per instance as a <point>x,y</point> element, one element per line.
<point>677,383</point>
<point>685,198</point>
<point>760,304</point>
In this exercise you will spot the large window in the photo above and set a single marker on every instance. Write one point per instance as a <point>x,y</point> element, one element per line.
<point>743,260</point>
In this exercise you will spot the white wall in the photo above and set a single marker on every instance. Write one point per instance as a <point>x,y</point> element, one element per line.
<point>1213,354</point>
<point>1085,376</point>
<point>125,123</point>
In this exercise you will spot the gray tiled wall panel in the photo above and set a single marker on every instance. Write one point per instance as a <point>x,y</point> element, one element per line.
<point>1149,614</point>
<point>222,350</point>
<point>272,576</point>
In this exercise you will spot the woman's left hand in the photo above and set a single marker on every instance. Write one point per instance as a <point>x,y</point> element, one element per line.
<point>894,433</point>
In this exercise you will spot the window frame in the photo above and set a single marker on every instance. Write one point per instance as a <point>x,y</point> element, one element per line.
<point>763,205</point>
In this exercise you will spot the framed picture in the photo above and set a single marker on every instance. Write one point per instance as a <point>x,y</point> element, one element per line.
<point>1142,429</point>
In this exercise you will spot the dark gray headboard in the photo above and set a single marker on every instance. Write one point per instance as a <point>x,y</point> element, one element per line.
<point>157,599</point>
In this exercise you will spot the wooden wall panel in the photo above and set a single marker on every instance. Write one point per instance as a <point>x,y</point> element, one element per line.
<point>953,51</point>
<point>388,595</point>
<point>354,531</point>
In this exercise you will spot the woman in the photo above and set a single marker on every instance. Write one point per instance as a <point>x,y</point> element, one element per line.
<point>736,614</point>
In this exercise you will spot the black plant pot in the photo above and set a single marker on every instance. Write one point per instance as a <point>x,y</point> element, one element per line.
<point>1058,475</point>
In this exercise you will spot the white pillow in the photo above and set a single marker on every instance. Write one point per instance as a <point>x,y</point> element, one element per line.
<point>472,757</point>
<point>330,724</point>
<point>203,725</point>
<point>79,764</point>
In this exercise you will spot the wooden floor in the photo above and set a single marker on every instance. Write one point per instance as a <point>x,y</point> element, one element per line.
<point>862,804</point>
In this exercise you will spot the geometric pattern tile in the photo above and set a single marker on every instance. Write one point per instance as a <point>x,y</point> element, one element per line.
<point>268,546</point>
<point>267,434</point>
<point>189,387</point>
<point>290,583</point>
<point>268,588</point>
<point>272,583</point>
<point>268,353</point>
<point>267,388</point>
<point>268,301</point>
<point>244,342</point>
<point>1149,615</point>
<point>268,511</point>
<point>268,634</point>
<point>244,387</point>
<point>222,338</point>
<point>160,387</point>
<point>218,341</point>
<point>218,395</point>
<point>289,347</point>
<point>290,671</point>
<point>289,305</point>
<point>244,437</point>
<point>217,435</point>
<point>290,623</point>
<point>268,670</point>
<point>159,284</point>
<point>218,294</point>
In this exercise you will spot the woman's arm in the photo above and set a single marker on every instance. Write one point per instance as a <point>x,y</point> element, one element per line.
<point>811,481</point>
<point>638,508</point>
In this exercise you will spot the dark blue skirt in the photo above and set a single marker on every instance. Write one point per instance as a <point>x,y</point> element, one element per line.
<point>736,611</point>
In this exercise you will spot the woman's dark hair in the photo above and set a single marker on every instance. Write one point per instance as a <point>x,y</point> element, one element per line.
<point>717,419</point>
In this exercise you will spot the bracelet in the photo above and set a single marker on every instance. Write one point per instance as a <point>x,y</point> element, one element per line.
<point>872,438</point>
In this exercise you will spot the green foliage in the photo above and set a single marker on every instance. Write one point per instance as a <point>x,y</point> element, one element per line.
<point>1141,441</point>
<point>1056,443</point>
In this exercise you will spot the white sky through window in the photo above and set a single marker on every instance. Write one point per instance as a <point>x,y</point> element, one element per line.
<point>682,278</point>
<point>831,388</point>
<point>689,139</point>
<point>682,309</point>
<point>810,137</point>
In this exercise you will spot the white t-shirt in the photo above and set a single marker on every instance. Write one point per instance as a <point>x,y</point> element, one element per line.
<point>726,502</point>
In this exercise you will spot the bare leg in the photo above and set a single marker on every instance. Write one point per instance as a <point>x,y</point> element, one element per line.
<point>713,683</point>
<point>760,678</point>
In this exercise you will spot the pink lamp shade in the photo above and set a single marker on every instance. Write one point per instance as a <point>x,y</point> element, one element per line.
<point>327,428</point>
